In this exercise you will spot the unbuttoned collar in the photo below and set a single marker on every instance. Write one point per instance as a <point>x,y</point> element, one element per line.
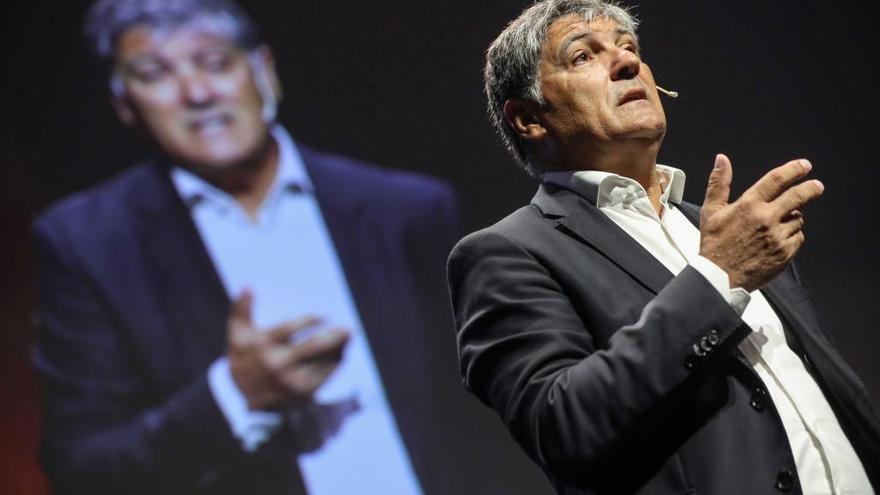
<point>291,177</point>
<point>608,189</point>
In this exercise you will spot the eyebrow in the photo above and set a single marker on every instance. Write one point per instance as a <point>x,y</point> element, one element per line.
<point>583,34</point>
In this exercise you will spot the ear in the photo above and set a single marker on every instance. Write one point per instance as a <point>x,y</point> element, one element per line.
<point>123,109</point>
<point>523,117</point>
<point>265,75</point>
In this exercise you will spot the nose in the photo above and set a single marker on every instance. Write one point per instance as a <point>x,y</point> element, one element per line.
<point>195,90</point>
<point>625,65</point>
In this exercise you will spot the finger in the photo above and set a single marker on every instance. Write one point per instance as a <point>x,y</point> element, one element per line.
<point>306,379</point>
<point>793,244</point>
<point>797,196</point>
<point>284,331</point>
<point>776,181</point>
<point>792,215</point>
<point>326,346</point>
<point>718,188</point>
<point>240,311</point>
<point>321,371</point>
<point>792,226</point>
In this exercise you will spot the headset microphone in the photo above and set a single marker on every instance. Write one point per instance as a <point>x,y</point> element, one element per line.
<point>671,94</point>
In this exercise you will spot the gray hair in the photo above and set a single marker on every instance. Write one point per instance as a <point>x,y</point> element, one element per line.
<point>513,58</point>
<point>108,19</point>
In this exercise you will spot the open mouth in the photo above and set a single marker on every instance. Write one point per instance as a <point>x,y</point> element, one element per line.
<point>210,124</point>
<point>633,94</point>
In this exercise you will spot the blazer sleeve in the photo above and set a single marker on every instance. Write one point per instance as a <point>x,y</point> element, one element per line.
<point>106,432</point>
<point>578,408</point>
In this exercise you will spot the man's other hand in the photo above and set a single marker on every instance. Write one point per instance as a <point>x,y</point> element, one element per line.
<point>753,238</point>
<point>270,369</point>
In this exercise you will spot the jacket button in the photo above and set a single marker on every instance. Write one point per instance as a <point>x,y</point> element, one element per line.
<point>705,344</point>
<point>699,351</point>
<point>784,480</point>
<point>759,399</point>
<point>690,362</point>
<point>713,338</point>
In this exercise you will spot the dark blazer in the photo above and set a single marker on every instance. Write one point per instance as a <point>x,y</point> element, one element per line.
<point>590,351</point>
<point>132,313</point>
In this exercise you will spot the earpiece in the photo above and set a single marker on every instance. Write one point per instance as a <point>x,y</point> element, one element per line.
<point>671,94</point>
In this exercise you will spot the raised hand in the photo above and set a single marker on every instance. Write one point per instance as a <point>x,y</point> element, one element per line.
<point>270,369</point>
<point>753,238</point>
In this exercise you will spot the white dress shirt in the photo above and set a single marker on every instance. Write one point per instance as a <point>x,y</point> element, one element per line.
<point>287,259</point>
<point>825,460</point>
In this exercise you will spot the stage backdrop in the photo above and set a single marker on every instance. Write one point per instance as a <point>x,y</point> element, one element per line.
<point>399,83</point>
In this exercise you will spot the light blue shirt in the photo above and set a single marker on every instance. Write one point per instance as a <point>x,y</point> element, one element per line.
<point>287,259</point>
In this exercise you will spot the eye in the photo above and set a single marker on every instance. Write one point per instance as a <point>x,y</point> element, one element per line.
<point>581,58</point>
<point>148,73</point>
<point>216,61</point>
<point>631,47</point>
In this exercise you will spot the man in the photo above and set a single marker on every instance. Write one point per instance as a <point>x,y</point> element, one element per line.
<point>633,343</point>
<point>241,314</point>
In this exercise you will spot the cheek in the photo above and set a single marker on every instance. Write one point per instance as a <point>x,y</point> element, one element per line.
<point>231,87</point>
<point>239,87</point>
<point>584,106</point>
<point>646,74</point>
<point>160,113</point>
<point>159,92</point>
<point>594,101</point>
<point>155,102</point>
<point>660,111</point>
<point>596,114</point>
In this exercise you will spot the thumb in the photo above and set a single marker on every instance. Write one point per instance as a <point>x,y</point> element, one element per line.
<point>718,189</point>
<point>240,312</point>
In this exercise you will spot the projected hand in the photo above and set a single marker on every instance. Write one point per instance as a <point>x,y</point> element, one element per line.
<point>754,237</point>
<point>271,371</point>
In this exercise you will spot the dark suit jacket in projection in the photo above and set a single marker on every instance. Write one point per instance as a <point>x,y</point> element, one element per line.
<point>584,344</point>
<point>132,313</point>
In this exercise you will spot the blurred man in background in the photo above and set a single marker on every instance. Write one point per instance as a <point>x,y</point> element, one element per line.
<point>240,313</point>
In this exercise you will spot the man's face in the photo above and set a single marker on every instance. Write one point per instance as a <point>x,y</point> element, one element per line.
<point>597,89</point>
<point>194,93</point>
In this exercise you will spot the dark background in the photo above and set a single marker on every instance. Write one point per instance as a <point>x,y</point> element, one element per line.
<point>399,83</point>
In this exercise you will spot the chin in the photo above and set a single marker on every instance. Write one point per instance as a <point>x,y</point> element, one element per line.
<point>223,163</point>
<point>225,155</point>
<point>212,162</point>
<point>655,132</point>
<point>648,127</point>
<point>650,133</point>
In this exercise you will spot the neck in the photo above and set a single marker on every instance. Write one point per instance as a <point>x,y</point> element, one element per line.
<point>637,161</point>
<point>254,186</point>
<point>248,181</point>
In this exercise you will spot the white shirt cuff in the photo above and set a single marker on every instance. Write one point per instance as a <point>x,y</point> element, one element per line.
<point>737,297</point>
<point>252,428</point>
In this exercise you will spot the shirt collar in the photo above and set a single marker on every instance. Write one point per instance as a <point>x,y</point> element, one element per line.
<point>291,176</point>
<point>606,188</point>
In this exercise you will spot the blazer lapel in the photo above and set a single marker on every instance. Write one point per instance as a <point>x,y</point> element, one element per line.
<point>587,223</point>
<point>185,281</point>
<point>371,255</point>
<point>372,249</point>
<point>344,214</point>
